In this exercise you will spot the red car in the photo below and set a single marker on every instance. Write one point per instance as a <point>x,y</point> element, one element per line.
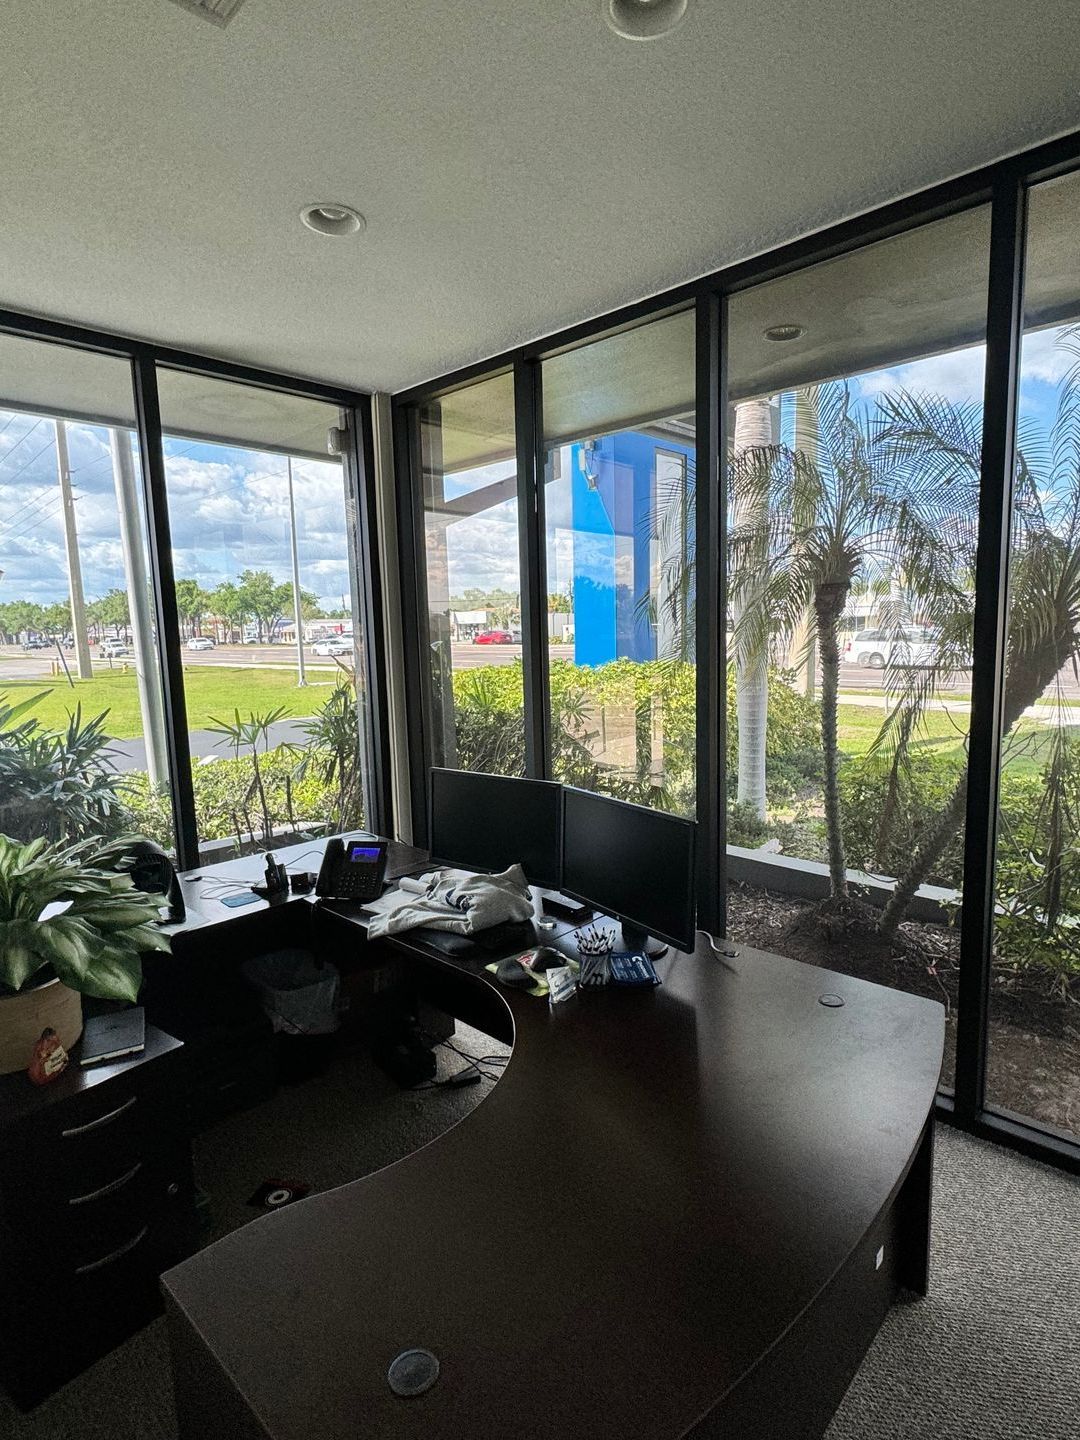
<point>493,637</point>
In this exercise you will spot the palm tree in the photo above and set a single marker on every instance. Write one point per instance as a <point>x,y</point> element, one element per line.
<point>809,527</point>
<point>928,437</point>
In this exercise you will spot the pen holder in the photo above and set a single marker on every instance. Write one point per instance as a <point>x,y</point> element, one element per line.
<point>594,951</point>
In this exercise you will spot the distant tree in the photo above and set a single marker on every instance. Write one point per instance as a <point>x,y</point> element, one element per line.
<point>19,617</point>
<point>56,619</point>
<point>192,603</point>
<point>264,600</point>
<point>309,605</point>
<point>227,603</point>
<point>113,609</point>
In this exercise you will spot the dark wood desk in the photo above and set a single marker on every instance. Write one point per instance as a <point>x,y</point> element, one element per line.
<point>681,1212</point>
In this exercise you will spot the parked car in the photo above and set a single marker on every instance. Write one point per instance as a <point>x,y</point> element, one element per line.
<point>113,649</point>
<point>493,637</point>
<point>335,645</point>
<point>874,649</point>
<point>200,642</point>
<point>37,643</point>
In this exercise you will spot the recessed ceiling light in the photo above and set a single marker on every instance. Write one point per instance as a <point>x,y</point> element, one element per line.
<point>333,219</point>
<point>644,19</point>
<point>784,332</point>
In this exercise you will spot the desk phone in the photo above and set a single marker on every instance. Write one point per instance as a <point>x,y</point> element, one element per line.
<point>352,869</point>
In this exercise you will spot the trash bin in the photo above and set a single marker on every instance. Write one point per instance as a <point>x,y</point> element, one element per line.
<point>300,996</point>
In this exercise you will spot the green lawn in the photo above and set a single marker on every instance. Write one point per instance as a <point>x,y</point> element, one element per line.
<point>210,690</point>
<point>945,735</point>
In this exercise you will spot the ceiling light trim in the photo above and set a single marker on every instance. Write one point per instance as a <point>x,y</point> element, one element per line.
<point>644,19</point>
<point>218,12</point>
<point>331,217</point>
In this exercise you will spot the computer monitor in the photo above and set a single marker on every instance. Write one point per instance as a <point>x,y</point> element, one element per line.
<point>634,864</point>
<point>487,822</point>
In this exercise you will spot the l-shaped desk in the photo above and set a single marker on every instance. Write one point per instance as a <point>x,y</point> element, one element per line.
<point>681,1212</point>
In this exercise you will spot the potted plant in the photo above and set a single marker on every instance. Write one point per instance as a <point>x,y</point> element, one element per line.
<point>70,925</point>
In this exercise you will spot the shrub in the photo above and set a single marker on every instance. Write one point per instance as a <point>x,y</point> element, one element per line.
<point>225,798</point>
<point>881,830</point>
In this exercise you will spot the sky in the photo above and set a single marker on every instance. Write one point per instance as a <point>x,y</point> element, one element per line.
<point>228,512</point>
<point>229,506</point>
<point>482,551</point>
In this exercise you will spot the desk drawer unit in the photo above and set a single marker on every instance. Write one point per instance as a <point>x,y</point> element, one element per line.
<point>96,1199</point>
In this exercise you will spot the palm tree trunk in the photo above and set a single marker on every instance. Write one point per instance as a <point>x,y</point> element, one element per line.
<point>752,712</point>
<point>755,426</point>
<point>926,856</point>
<point>829,601</point>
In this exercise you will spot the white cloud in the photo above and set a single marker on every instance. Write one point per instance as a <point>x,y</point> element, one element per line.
<point>1045,358</point>
<point>956,376</point>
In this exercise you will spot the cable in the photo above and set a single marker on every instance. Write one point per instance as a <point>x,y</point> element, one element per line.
<point>9,478</point>
<point>16,443</point>
<point>726,955</point>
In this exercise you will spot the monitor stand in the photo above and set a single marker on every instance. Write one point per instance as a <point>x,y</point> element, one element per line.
<point>636,939</point>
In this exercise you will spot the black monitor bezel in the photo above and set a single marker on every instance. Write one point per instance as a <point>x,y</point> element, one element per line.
<point>511,779</point>
<point>678,942</point>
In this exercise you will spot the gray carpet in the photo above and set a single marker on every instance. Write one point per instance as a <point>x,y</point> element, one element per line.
<point>993,1354</point>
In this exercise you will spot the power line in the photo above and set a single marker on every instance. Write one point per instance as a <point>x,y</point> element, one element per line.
<point>29,462</point>
<point>16,443</point>
<point>32,503</point>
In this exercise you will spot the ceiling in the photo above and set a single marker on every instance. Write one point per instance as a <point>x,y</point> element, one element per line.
<point>520,167</point>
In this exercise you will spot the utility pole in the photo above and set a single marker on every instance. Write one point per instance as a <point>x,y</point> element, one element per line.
<point>136,575</point>
<point>300,679</point>
<point>71,547</point>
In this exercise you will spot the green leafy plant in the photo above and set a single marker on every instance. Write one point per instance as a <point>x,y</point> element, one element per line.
<point>248,730</point>
<point>96,944</point>
<point>59,784</point>
<point>333,754</point>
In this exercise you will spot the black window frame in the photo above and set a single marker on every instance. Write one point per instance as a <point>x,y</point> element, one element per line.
<point>144,359</point>
<point>1003,186</point>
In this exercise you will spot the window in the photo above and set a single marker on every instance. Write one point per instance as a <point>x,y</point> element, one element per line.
<point>473,575</point>
<point>262,531</point>
<point>1033,1067</point>
<point>86,755</point>
<point>855,393</point>
<point>619,442</point>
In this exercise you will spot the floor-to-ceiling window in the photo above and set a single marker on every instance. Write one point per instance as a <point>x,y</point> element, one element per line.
<point>1034,1037</point>
<point>854,447</point>
<point>262,535</point>
<point>473,577</point>
<point>82,731</point>
<point>619,491</point>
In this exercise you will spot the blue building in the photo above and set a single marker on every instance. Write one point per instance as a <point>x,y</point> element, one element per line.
<point>622,487</point>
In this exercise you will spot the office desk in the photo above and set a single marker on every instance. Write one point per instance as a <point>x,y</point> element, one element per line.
<point>680,1212</point>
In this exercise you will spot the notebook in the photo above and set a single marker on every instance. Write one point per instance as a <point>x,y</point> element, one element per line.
<point>109,1037</point>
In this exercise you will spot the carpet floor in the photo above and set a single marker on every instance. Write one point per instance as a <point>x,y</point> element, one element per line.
<point>992,1354</point>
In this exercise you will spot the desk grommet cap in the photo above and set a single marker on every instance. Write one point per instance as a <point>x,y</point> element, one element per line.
<point>831,1002</point>
<point>412,1372</point>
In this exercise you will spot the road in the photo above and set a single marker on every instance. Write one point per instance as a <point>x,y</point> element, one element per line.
<point>17,664</point>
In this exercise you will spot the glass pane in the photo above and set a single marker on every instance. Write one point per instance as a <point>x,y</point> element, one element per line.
<point>856,390</point>
<point>467,451</point>
<point>77,641</point>
<point>261,533</point>
<point>619,514</point>
<point>1034,1042</point>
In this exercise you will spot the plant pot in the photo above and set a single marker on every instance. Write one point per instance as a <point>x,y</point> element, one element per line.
<point>24,1016</point>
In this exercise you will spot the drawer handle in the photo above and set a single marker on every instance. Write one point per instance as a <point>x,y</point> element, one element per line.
<point>101,1120</point>
<point>117,1254</point>
<point>108,1189</point>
